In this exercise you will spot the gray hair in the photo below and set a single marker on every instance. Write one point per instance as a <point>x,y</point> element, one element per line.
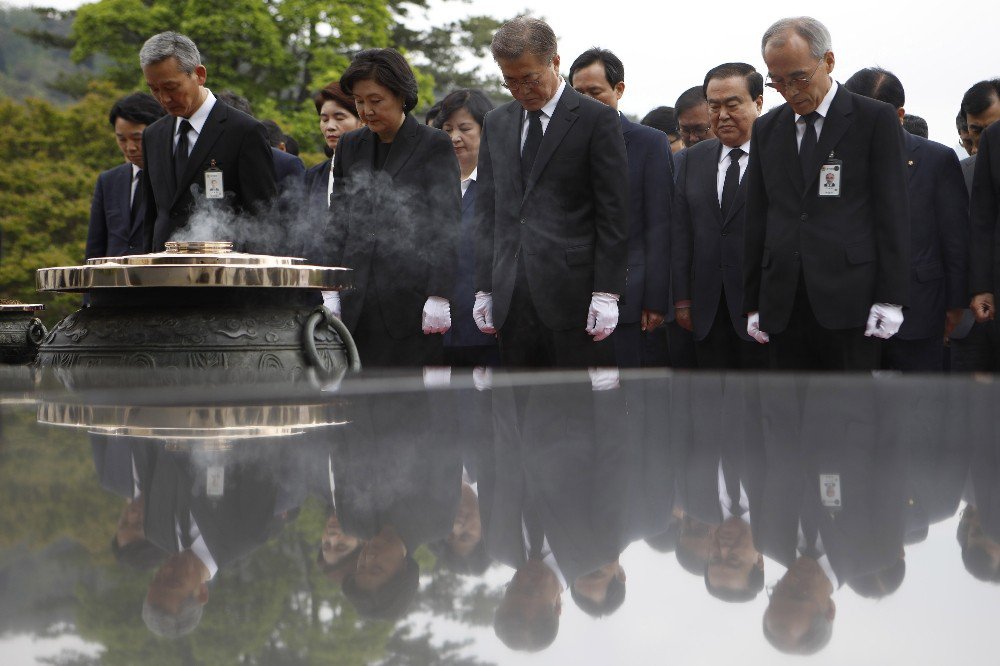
<point>524,34</point>
<point>815,33</point>
<point>170,45</point>
<point>167,625</point>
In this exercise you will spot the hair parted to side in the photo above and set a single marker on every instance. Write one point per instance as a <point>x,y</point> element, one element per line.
<point>614,70</point>
<point>386,67</point>
<point>878,83</point>
<point>754,81</point>
<point>170,45</point>
<point>521,35</point>
<point>331,92</point>
<point>137,108</point>
<point>472,100</point>
<point>980,97</point>
<point>691,98</point>
<point>815,33</point>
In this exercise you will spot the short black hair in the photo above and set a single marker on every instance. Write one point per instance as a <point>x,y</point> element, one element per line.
<point>391,600</point>
<point>472,100</point>
<point>138,107</point>
<point>274,134</point>
<point>332,92</point>
<point>519,633</point>
<point>666,541</point>
<point>291,145</point>
<point>755,583</point>
<point>878,83</point>
<point>613,599</point>
<point>915,125</point>
<point>238,102</point>
<point>662,118</point>
<point>880,583</point>
<point>614,70</point>
<point>979,563</point>
<point>815,639</point>
<point>388,68</point>
<point>691,98</point>
<point>980,97</point>
<point>961,122</point>
<point>754,81</point>
<point>432,114</point>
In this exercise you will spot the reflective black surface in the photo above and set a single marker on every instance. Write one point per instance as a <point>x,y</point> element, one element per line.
<point>452,517</point>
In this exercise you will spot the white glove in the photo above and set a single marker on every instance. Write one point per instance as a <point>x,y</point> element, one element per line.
<point>437,315</point>
<point>753,329</point>
<point>482,378</point>
<point>331,301</point>
<point>884,320</point>
<point>437,377</point>
<point>604,379</point>
<point>482,312</point>
<point>602,318</point>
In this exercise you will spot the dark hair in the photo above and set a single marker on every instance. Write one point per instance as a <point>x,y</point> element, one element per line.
<point>815,639</point>
<point>524,34</point>
<point>916,535</point>
<point>291,145</point>
<point>474,564</point>
<point>141,554</point>
<point>274,134</point>
<point>391,600</point>
<point>980,97</point>
<point>915,125</point>
<point>432,114</point>
<point>961,122</point>
<point>472,100</point>
<point>388,68</point>
<point>137,108</point>
<point>877,83</point>
<point>665,542</point>
<point>238,102</point>
<point>613,599</point>
<point>880,583</point>
<point>979,563</point>
<point>614,70</point>
<point>755,583</point>
<point>689,99</point>
<point>333,93</point>
<point>521,633</point>
<point>753,79</point>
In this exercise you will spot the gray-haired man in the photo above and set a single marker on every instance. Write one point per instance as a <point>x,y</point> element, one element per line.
<point>200,153</point>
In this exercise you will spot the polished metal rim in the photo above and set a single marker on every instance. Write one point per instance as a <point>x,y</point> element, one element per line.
<point>119,275</point>
<point>21,307</point>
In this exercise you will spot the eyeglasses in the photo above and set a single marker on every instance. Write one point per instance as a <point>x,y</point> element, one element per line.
<point>700,131</point>
<point>797,82</point>
<point>514,86</point>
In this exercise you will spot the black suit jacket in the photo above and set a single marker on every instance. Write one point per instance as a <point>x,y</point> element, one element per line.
<point>234,141</point>
<point>985,211</point>
<point>317,179</point>
<point>707,250</point>
<point>463,331</point>
<point>112,231</point>
<point>939,236</point>
<point>287,167</point>
<point>396,228</point>
<point>650,179</point>
<point>569,225</point>
<point>852,250</point>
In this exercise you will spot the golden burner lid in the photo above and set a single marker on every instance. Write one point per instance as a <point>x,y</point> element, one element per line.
<point>199,247</point>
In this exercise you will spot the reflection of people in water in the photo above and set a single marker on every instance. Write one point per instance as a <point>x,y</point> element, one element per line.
<point>338,551</point>
<point>980,553</point>
<point>694,543</point>
<point>386,578</point>
<point>129,545</point>
<point>735,570</point>
<point>600,592</point>
<point>799,615</point>
<point>464,551</point>
<point>177,595</point>
<point>528,616</point>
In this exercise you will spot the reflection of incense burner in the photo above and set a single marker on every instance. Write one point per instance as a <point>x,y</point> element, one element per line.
<point>200,305</point>
<point>20,331</point>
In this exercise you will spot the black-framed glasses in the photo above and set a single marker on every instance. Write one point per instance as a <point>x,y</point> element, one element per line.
<point>700,131</point>
<point>514,86</point>
<point>797,82</point>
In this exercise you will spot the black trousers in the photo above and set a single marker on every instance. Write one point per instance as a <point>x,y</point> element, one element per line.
<point>525,342</point>
<point>979,351</point>
<point>924,355</point>
<point>380,349</point>
<point>680,347</point>
<point>807,345</point>
<point>723,349</point>
<point>629,345</point>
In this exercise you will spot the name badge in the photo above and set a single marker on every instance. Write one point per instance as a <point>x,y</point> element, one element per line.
<point>213,182</point>
<point>215,481</point>
<point>829,490</point>
<point>829,177</point>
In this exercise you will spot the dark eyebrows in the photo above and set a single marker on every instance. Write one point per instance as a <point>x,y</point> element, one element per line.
<point>727,101</point>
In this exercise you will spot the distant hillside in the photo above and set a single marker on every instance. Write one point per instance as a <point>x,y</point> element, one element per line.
<point>39,67</point>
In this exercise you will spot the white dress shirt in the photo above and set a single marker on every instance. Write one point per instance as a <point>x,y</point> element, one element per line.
<point>197,121</point>
<point>724,162</point>
<point>467,181</point>
<point>547,111</point>
<point>329,184</point>
<point>824,560</point>
<point>135,184</point>
<point>724,500</point>
<point>199,547</point>
<point>547,557</point>
<point>822,110</point>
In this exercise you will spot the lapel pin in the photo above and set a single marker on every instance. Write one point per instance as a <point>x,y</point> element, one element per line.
<point>909,163</point>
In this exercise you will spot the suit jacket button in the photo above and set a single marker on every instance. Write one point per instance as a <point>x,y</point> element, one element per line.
<point>804,217</point>
<point>522,220</point>
<point>725,233</point>
<point>795,254</point>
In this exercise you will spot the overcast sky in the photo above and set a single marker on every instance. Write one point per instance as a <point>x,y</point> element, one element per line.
<point>935,49</point>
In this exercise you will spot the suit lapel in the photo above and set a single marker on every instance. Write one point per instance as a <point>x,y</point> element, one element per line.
<point>835,124</point>
<point>711,171</point>
<point>788,145</point>
<point>469,197</point>
<point>513,132</point>
<point>124,188</point>
<point>562,119</point>
<point>403,146</point>
<point>161,134</point>
<point>912,155</point>
<point>211,132</point>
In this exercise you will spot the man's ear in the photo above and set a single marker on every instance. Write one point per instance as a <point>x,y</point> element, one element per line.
<point>620,89</point>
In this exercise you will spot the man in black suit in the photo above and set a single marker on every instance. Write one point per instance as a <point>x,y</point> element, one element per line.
<point>707,231</point>
<point>599,73</point>
<point>186,151</point>
<point>117,209</point>
<point>551,211</point>
<point>826,269</point>
<point>939,233</point>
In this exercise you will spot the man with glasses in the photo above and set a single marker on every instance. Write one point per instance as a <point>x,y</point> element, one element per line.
<point>551,212</point>
<point>826,269</point>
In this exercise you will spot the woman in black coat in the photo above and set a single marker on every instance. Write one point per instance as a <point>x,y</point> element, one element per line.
<point>395,214</point>
<point>337,117</point>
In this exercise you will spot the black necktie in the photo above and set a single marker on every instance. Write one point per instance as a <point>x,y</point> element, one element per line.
<point>732,181</point>
<point>807,148</point>
<point>531,144</point>
<point>811,536</point>
<point>137,197</point>
<point>181,152</point>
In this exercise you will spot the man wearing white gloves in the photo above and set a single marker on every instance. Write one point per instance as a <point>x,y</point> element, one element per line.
<point>551,212</point>
<point>826,262</point>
